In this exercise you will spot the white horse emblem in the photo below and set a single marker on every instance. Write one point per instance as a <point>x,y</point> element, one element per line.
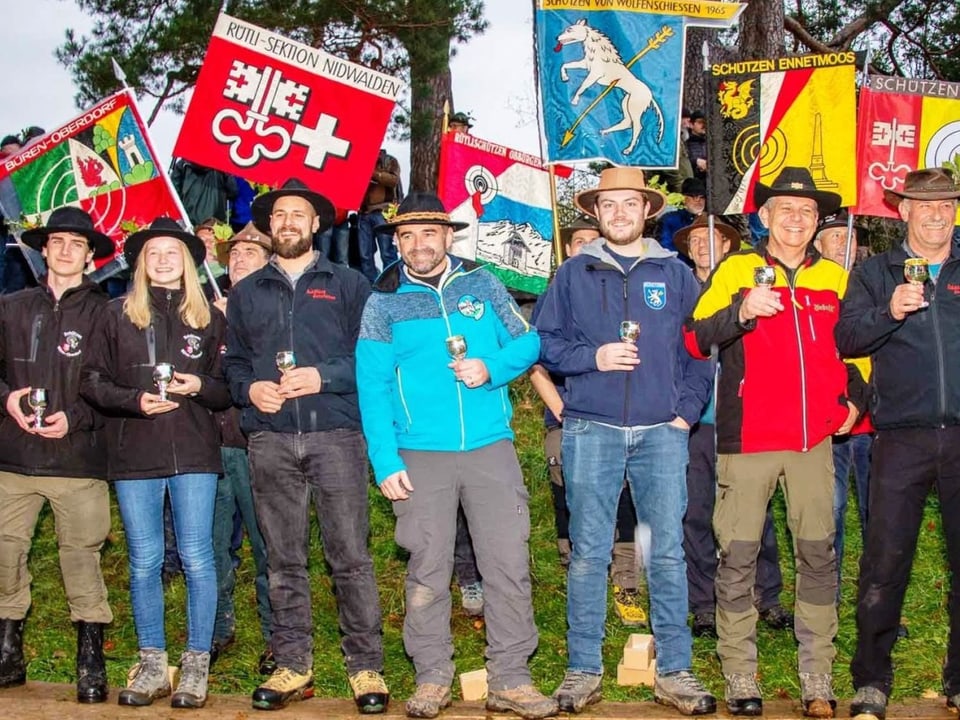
<point>605,67</point>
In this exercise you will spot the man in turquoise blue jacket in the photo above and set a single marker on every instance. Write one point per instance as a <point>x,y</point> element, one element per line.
<point>437,422</point>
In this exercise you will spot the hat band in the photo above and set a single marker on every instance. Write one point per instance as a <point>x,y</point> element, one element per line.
<point>425,217</point>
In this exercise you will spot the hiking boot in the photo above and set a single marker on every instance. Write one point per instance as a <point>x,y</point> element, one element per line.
<point>428,700</point>
<point>743,694</point>
<point>777,617</point>
<point>816,694</point>
<point>91,667</point>
<point>194,673</point>
<point>369,691</point>
<point>627,605</point>
<point>705,624</point>
<point>471,599</point>
<point>220,646</point>
<point>147,680</point>
<point>953,703</point>
<point>284,685</point>
<point>578,690</point>
<point>267,664</point>
<point>869,701</point>
<point>525,700</point>
<point>13,669</point>
<point>683,691</point>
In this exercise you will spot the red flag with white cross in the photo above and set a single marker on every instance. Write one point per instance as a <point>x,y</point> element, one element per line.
<point>268,109</point>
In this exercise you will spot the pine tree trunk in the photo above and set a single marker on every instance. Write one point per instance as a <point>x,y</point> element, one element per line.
<point>761,30</point>
<point>428,92</point>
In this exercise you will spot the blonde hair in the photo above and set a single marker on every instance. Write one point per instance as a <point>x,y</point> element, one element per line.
<point>194,308</point>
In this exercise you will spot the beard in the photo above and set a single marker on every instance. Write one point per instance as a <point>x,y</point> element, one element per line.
<point>290,249</point>
<point>620,235</point>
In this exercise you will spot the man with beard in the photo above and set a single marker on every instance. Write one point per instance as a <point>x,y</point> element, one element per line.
<point>439,435</point>
<point>301,313</point>
<point>631,400</point>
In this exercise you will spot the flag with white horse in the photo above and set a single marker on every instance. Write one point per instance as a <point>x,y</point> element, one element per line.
<point>611,77</point>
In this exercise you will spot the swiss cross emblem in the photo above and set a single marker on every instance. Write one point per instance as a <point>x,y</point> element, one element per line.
<point>252,135</point>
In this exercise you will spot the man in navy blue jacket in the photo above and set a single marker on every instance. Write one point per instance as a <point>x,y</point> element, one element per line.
<point>628,409</point>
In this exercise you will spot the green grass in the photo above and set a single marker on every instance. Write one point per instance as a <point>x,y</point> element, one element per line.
<point>50,640</point>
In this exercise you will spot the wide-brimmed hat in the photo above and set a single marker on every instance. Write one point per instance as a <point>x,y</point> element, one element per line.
<point>262,205</point>
<point>420,208</point>
<point>582,222</point>
<point>841,219</point>
<point>460,118</point>
<point>681,238</point>
<point>693,187</point>
<point>249,233</point>
<point>927,184</point>
<point>72,220</point>
<point>797,182</point>
<point>620,178</point>
<point>163,227</point>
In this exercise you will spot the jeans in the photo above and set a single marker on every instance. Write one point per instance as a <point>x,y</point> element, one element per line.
<point>330,467</point>
<point>334,243</point>
<point>192,498</point>
<point>370,241</point>
<point>855,450</point>
<point>595,458</point>
<point>233,493</point>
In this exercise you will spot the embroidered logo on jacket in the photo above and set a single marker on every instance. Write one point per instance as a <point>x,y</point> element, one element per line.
<point>70,347</point>
<point>470,306</point>
<point>655,295</point>
<point>191,347</point>
<point>320,294</point>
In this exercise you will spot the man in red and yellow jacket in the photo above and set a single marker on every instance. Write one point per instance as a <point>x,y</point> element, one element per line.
<point>782,394</point>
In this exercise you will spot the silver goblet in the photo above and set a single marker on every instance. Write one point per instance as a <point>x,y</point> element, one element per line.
<point>162,375</point>
<point>37,400</point>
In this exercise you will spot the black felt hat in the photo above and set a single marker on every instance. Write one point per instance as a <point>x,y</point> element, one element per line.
<point>262,206</point>
<point>420,208</point>
<point>797,182</point>
<point>73,220</point>
<point>163,227</point>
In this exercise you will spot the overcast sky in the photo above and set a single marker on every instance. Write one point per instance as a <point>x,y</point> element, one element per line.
<point>492,78</point>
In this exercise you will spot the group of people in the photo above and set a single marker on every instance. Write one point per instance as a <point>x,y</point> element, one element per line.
<point>312,371</point>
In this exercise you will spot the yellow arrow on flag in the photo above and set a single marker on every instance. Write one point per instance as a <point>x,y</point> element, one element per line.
<point>655,42</point>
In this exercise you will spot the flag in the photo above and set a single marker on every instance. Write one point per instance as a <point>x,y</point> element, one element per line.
<point>505,196</point>
<point>904,124</point>
<point>764,115</point>
<point>268,109</point>
<point>103,162</point>
<point>611,76</point>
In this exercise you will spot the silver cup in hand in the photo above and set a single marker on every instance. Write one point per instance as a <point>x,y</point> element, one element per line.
<point>162,376</point>
<point>286,360</point>
<point>37,400</point>
<point>629,331</point>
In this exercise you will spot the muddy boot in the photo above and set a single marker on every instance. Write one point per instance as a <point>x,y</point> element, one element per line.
<point>147,680</point>
<point>13,670</point>
<point>91,668</point>
<point>192,688</point>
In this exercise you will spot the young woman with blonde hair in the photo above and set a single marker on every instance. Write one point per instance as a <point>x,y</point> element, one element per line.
<point>159,444</point>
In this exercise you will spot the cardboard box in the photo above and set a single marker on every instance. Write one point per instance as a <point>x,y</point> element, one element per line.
<point>635,676</point>
<point>473,685</point>
<point>639,651</point>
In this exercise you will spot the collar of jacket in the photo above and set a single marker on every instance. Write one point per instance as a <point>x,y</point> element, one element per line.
<point>652,251</point>
<point>810,256</point>
<point>86,285</point>
<point>272,271</point>
<point>899,253</point>
<point>393,277</point>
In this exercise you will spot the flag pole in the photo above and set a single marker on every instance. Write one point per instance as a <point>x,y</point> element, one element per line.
<point>848,248</point>
<point>162,171</point>
<point>711,227</point>
<point>557,240</point>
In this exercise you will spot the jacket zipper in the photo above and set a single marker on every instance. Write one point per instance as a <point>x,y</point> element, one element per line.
<point>626,375</point>
<point>403,399</point>
<point>173,442</point>
<point>293,300</point>
<point>792,282</point>
<point>939,344</point>
<point>446,319</point>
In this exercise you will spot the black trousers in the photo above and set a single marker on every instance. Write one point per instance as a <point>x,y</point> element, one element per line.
<point>905,465</point>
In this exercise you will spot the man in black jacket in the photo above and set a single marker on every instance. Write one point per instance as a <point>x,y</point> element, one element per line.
<point>911,332</point>
<point>303,422</point>
<point>58,455</point>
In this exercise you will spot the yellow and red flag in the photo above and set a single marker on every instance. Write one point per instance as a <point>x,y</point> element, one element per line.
<point>764,115</point>
<point>904,124</point>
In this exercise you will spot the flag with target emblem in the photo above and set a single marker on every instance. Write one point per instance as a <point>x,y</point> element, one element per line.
<point>904,124</point>
<point>764,115</point>
<point>505,196</point>
<point>102,162</point>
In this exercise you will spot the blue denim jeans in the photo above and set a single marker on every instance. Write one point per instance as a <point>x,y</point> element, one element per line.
<point>851,450</point>
<point>595,458</point>
<point>329,468</point>
<point>234,494</point>
<point>334,243</point>
<point>141,507</point>
<point>370,241</point>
